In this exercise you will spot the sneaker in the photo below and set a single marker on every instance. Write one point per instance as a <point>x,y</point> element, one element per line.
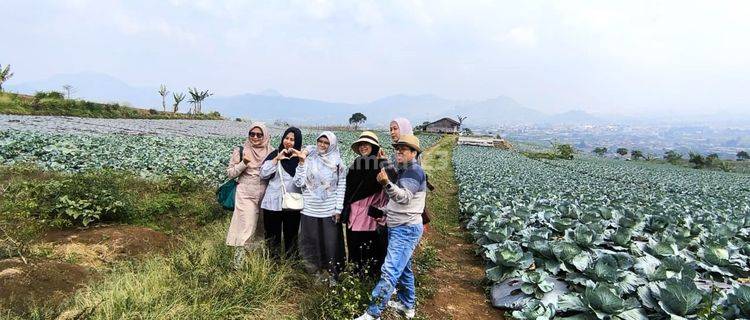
<point>400,307</point>
<point>367,316</point>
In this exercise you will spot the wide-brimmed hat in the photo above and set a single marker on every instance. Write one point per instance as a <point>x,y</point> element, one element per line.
<point>408,140</point>
<point>366,136</point>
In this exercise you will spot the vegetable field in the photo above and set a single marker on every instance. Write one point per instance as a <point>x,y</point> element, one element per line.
<point>149,156</point>
<point>594,238</point>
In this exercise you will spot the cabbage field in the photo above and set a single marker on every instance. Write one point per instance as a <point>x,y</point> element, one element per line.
<point>607,239</point>
<point>149,156</point>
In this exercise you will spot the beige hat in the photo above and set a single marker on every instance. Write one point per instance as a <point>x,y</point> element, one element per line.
<point>409,140</point>
<point>366,136</point>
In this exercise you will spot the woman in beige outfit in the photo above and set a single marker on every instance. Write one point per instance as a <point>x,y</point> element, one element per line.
<point>250,189</point>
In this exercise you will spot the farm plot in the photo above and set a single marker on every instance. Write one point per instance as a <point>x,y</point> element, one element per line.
<point>605,239</point>
<point>147,156</point>
<point>184,128</point>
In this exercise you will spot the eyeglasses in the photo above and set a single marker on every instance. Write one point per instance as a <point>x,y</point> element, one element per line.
<point>255,135</point>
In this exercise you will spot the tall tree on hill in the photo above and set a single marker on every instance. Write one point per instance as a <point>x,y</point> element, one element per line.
<point>742,156</point>
<point>68,90</point>
<point>461,119</point>
<point>178,97</point>
<point>198,97</point>
<point>357,119</point>
<point>5,75</point>
<point>163,92</point>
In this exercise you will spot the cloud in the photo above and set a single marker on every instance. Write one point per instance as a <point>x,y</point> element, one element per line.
<point>521,36</point>
<point>131,26</point>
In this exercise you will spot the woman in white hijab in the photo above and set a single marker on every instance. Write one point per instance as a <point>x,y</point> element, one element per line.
<point>322,178</point>
<point>250,189</point>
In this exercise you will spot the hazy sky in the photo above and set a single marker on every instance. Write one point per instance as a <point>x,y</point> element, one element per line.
<point>630,57</point>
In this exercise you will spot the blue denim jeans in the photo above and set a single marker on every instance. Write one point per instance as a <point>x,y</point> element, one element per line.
<point>396,270</point>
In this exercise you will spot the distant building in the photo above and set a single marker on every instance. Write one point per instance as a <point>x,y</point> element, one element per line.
<point>444,125</point>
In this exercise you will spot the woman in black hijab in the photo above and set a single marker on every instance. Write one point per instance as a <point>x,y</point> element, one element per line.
<point>363,195</point>
<point>279,168</point>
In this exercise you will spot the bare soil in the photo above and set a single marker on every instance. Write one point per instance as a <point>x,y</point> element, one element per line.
<point>40,283</point>
<point>123,240</point>
<point>459,280</point>
<point>65,260</point>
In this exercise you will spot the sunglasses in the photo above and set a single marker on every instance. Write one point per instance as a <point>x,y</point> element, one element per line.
<point>255,135</point>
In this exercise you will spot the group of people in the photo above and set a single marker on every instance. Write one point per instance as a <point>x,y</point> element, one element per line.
<point>379,198</point>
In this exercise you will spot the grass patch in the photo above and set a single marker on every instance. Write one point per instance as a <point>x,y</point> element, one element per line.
<point>195,281</point>
<point>33,201</point>
<point>53,104</point>
<point>443,201</point>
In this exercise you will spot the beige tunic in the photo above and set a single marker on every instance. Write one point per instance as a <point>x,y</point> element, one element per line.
<point>247,219</point>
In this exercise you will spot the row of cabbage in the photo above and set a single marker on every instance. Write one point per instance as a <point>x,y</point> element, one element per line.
<point>147,156</point>
<point>585,240</point>
<point>185,128</point>
<point>668,178</point>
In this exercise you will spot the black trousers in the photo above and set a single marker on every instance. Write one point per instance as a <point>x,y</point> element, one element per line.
<point>366,252</point>
<point>281,225</point>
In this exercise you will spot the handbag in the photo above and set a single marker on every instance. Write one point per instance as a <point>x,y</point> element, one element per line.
<point>226,192</point>
<point>289,200</point>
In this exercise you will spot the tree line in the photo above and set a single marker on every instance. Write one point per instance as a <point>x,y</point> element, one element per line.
<point>698,160</point>
<point>196,100</point>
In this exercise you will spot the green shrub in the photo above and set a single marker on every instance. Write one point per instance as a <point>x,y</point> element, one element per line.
<point>565,151</point>
<point>69,201</point>
<point>49,95</point>
<point>184,181</point>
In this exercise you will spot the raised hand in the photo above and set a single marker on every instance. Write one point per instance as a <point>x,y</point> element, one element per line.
<point>383,177</point>
<point>381,154</point>
<point>302,155</point>
<point>283,155</point>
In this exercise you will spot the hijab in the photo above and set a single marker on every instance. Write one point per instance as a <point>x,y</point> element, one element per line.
<point>257,153</point>
<point>324,169</point>
<point>289,165</point>
<point>361,179</point>
<point>404,126</point>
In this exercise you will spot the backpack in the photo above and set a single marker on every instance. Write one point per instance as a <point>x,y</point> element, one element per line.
<point>225,193</point>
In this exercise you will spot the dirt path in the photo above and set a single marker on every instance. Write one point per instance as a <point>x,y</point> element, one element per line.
<point>458,279</point>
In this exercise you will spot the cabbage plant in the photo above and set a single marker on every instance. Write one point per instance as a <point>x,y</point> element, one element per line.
<point>535,310</point>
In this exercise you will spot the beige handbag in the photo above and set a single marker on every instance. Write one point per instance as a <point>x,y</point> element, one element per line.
<point>289,200</point>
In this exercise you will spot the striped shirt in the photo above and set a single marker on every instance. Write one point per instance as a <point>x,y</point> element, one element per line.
<point>314,206</point>
<point>407,196</point>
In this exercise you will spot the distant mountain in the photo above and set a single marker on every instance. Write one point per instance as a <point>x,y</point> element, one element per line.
<point>500,110</point>
<point>270,93</point>
<point>95,87</point>
<point>270,108</point>
<point>419,108</point>
<point>270,105</point>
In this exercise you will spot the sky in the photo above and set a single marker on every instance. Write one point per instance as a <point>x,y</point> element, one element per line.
<point>611,57</point>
